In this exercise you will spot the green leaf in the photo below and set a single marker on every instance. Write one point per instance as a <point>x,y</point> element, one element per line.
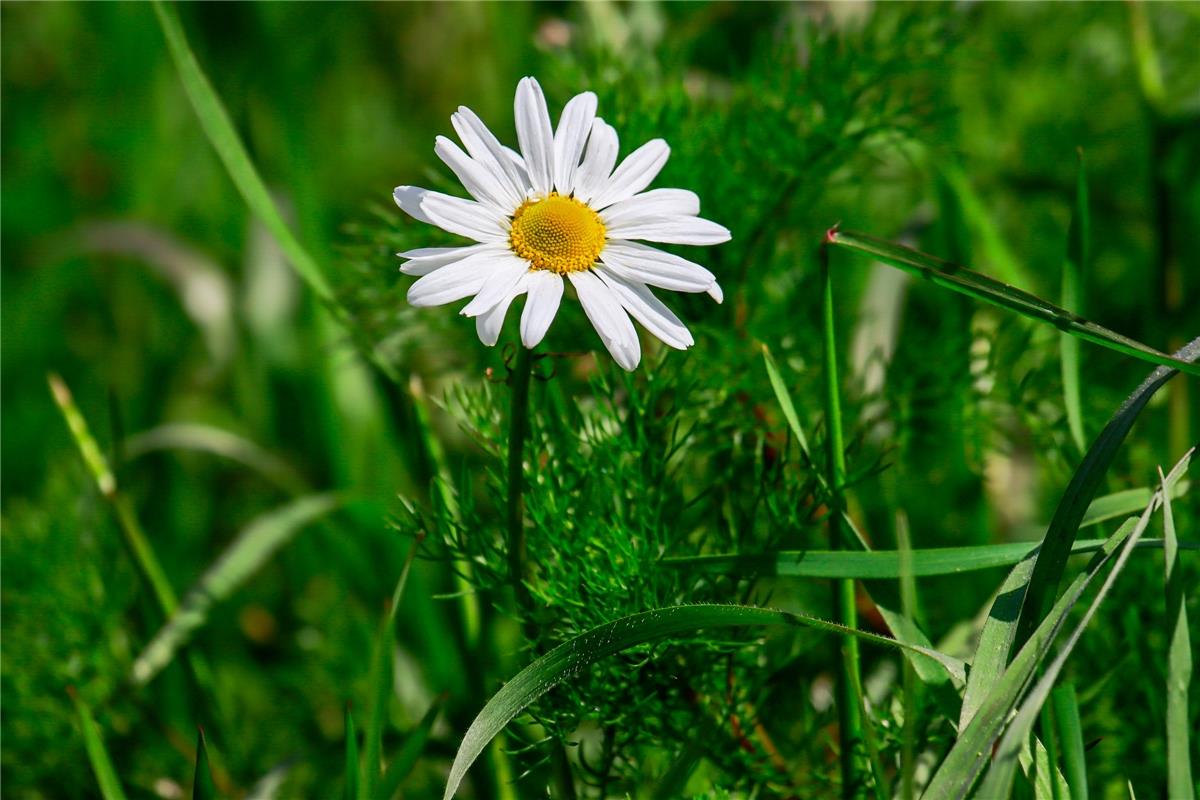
<point>981,287</point>
<point>253,547</point>
<point>202,782</point>
<point>881,564</point>
<point>1074,271</point>
<point>102,766</point>
<point>350,785</point>
<point>381,686</point>
<point>1179,667</point>
<point>784,398</point>
<point>569,658</point>
<point>1070,739</point>
<point>401,765</point>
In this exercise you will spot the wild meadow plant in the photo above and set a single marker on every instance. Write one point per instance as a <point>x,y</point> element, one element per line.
<point>703,562</point>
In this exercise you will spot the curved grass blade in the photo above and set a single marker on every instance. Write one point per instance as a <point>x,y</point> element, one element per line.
<point>253,547</point>
<point>981,287</point>
<point>102,766</point>
<point>1074,270</point>
<point>1179,667</point>
<point>218,442</point>
<point>882,564</point>
<point>605,640</point>
<point>202,782</point>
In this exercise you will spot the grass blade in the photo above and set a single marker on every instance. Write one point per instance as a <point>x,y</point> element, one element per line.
<point>410,751</point>
<point>350,786</point>
<point>1074,271</point>
<point>882,564</point>
<point>253,547</point>
<point>784,398</point>
<point>1070,739</point>
<point>202,782</point>
<point>568,658</point>
<point>381,686</point>
<point>102,766</point>
<point>981,287</point>
<point>1179,667</point>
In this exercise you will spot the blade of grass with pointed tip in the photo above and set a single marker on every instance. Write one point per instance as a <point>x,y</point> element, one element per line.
<point>998,782</point>
<point>202,781</point>
<point>981,221</point>
<point>981,287</point>
<point>381,686</point>
<point>604,640</point>
<point>93,742</point>
<point>1179,666</point>
<point>1070,738</point>
<point>210,439</point>
<point>1074,271</point>
<point>881,564</point>
<point>253,547</point>
<point>350,785</point>
<point>406,757</point>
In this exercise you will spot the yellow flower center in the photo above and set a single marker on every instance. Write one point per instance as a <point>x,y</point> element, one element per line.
<point>557,233</point>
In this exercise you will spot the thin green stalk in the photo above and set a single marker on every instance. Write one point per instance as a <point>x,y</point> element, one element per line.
<point>518,382</point>
<point>908,606</point>
<point>850,689</point>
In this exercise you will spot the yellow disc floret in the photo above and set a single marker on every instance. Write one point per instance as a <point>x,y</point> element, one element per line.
<point>557,233</point>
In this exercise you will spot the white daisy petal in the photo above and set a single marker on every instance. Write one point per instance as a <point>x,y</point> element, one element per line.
<point>635,173</point>
<point>503,274</point>
<point>453,282</point>
<point>598,161</point>
<point>425,260</point>
<point>608,316</point>
<point>545,292</point>
<point>655,267</point>
<point>535,134</point>
<point>654,203</point>
<point>672,230</point>
<point>477,221</point>
<point>519,162</point>
<point>485,148</point>
<point>489,323</point>
<point>409,199</point>
<point>477,179</point>
<point>716,293</point>
<point>574,124</point>
<point>647,309</point>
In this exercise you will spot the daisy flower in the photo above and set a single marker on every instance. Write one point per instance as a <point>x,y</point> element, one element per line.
<point>558,211</point>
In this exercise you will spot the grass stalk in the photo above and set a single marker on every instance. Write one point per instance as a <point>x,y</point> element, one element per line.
<point>518,381</point>
<point>850,684</point>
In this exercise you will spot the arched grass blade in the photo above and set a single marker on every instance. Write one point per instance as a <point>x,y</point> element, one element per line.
<point>605,640</point>
<point>1179,667</point>
<point>102,766</point>
<point>218,442</point>
<point>973,284</point>
<point>253,547</point>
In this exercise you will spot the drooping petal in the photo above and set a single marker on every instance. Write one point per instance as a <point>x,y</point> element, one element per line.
<point>477,221</point>
<point>609,318</point>
<point>425,260</point>
<point>672,230</point>
<point>545,292</point>
<point>634,174</point>
<point>535,134</point>
<point>485,148</point>
<point>655,267</point>
<point>503,274</point>
<point>489,323</point>
<point>409,199</point>
<point>647,309</point>
<point>452,282</point>
<point>574,124</point>
<point>716,293</point>
<point>477,179</point>
<point>598,161</point>
<point>652,204</point>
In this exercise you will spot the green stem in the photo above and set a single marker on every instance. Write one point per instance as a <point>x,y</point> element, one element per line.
<point>849,686</point>
<point>518,430</point>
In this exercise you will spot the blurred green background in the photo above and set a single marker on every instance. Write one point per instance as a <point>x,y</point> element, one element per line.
<point>132,268</point>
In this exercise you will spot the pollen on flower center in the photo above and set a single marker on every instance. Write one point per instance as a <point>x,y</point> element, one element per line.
<point>557,233</point>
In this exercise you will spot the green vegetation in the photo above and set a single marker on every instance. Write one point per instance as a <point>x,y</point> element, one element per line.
<point>911,518</point>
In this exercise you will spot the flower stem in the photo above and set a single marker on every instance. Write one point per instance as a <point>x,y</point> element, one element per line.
<point>850,698</point>
<point>518,431</point>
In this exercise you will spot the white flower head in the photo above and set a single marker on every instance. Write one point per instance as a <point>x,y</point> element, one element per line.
<point>559,209</point>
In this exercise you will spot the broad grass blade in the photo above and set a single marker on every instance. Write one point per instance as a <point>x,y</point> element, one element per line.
<point>1179,667</point>
<point>253,547</point>
<point>981,287</point>
<point>570,657</point>
<point>1070,739</point>
<point>93,742</point>
<point>1074,271</point>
